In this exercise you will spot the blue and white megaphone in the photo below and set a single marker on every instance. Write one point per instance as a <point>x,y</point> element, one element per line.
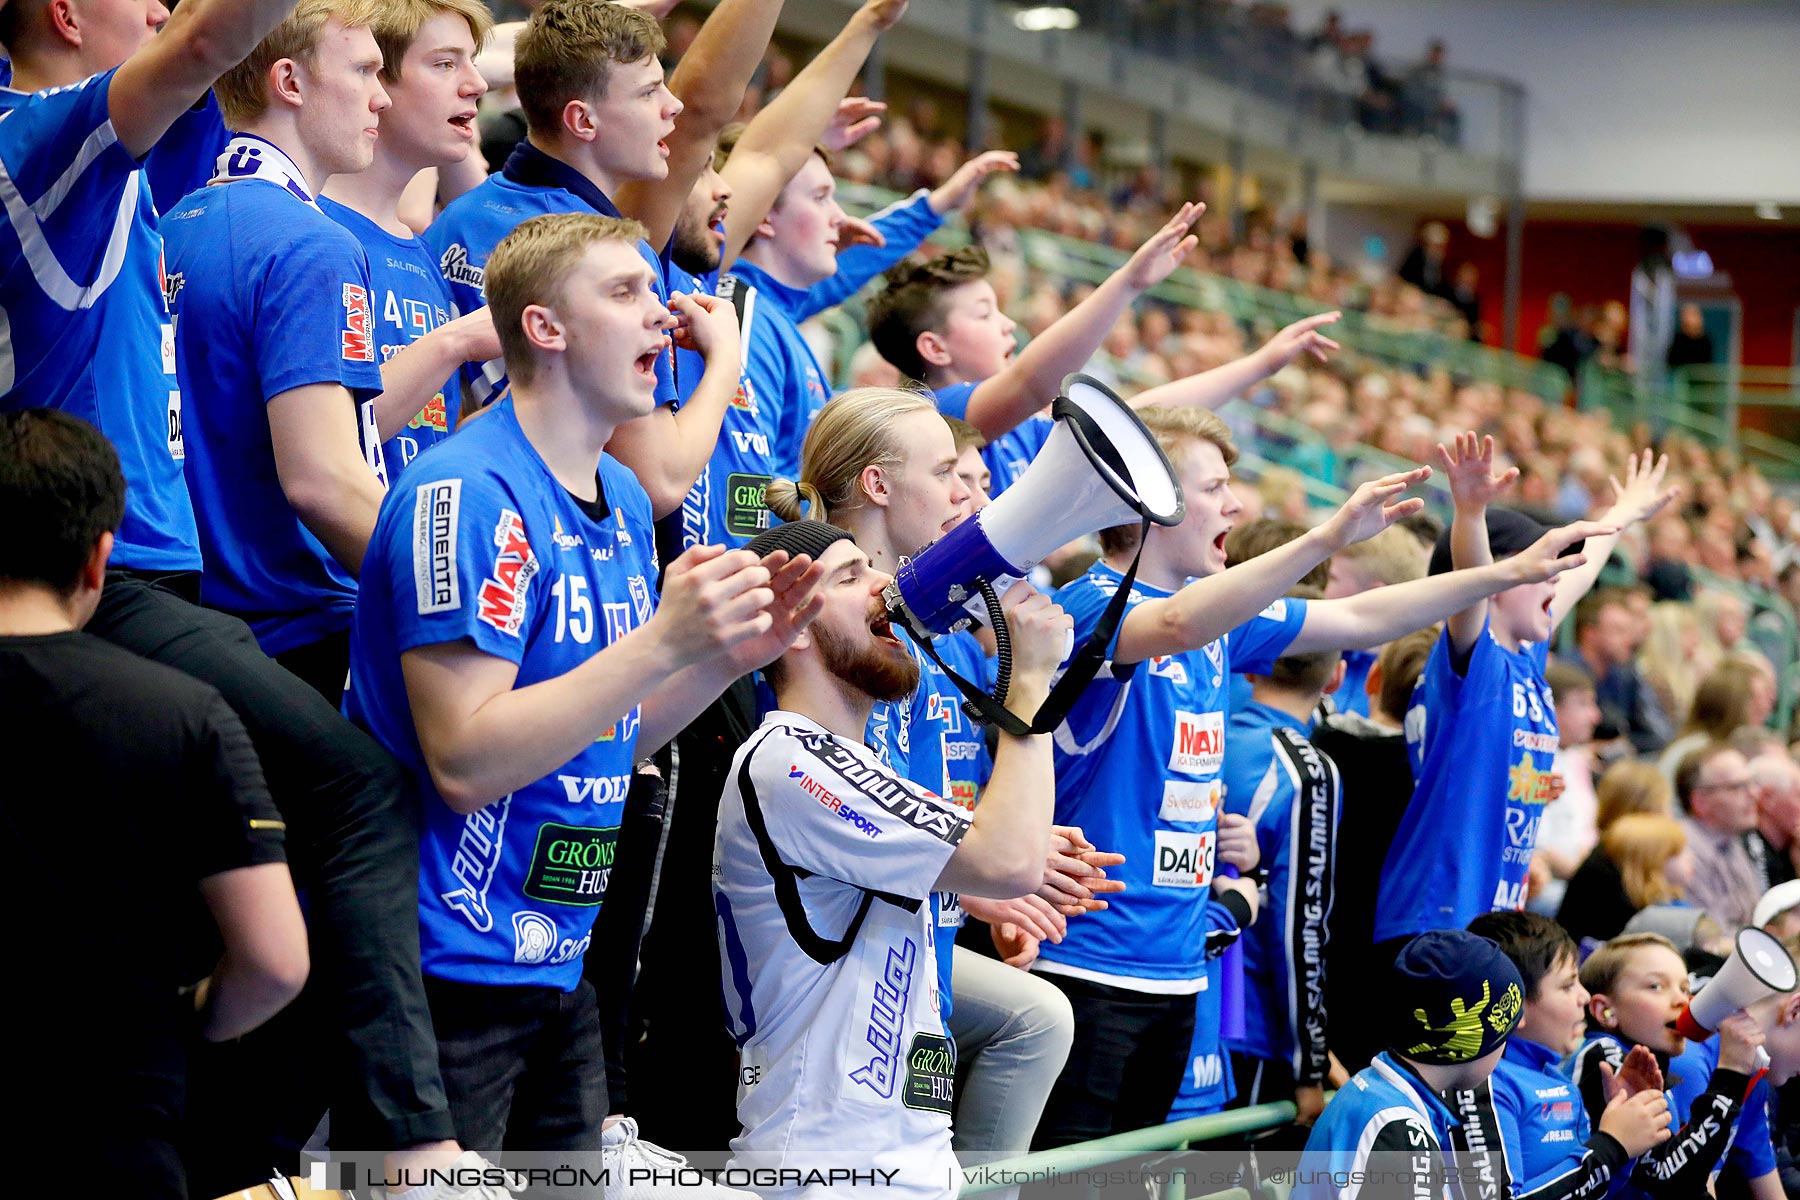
<point>1100,467</point>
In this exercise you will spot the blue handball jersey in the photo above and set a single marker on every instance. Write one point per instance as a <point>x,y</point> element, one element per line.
<point>409,299</point>
<point>1291,794</point>
<point>1138,768</point>
<point>1008,456</point>
<point>532,184</point>
<point>478,542</point>
<point>268,294</point>
<point>1353,697</point>
<point>1386,1119</point>
<point>1481,744</point>
<point>82,313</point>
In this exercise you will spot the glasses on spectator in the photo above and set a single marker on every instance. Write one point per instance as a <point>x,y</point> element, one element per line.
<point>1727,785</point>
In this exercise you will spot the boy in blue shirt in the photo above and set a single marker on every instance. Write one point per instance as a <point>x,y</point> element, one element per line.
<point>1638,985</point>
<point>1529,1110</point>
<point>1454,999</point>
<point>1464,845</point>
<point>287,401</point>
<point>520,703</point>
<point>96,342</point>
<point>428,71</point>
<point>1140,758</point>
<point>939,323</point>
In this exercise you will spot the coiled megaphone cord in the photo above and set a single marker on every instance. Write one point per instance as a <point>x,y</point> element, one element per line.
<point>1002,648</point>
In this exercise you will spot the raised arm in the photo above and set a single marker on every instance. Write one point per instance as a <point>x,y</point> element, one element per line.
<point>775,144</point>
<point>1212,607</point>
<point>1639,498</point>
<point>709,81</point>
<point>1377,617</point>
<point>1470,471</point>
<point>1032,379</point>
<point>668,449</point>
<point>1210,389</point>
<point>203,40</point>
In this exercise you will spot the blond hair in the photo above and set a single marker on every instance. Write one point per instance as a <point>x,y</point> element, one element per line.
<point>398,26</point>
<point>1392,556</point>
<point>1603,967</point>
<point>1641,845</point>
<point>567,51</point>
<point>967,436</point>
<point>1631,788</point>
<point>243,91</point>
<point>851,434</point>
<point>1176,430</point>
<point>530,266</point>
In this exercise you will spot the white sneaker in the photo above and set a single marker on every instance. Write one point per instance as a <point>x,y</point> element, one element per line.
<point>622,1151</point>
<point>508,1183</point>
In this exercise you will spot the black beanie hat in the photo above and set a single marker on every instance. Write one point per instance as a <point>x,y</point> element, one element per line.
<point>1509,532</point>
<point>1457,995</point>
<point>811,538</point>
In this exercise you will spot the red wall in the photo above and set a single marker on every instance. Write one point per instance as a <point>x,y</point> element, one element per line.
<point>1592,262</point>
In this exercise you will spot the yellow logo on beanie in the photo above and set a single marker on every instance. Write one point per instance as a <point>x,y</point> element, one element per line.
<point>1463,1040</point>
<point>1505,1012</point>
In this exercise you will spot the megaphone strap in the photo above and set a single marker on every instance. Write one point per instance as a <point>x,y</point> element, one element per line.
<point>1081,670</point>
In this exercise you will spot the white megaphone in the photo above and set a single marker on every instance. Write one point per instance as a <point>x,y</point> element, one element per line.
<point>1758,967</point>
<point>1099,468</point>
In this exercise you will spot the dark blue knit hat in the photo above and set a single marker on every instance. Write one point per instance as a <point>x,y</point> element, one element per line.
<point>1457,996</point>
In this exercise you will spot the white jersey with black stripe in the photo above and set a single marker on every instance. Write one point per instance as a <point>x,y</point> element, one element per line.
<point>821,867</point>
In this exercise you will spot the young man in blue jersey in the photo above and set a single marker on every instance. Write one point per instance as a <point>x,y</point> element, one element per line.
<point>287,401</point>
<point>1140,757</point>
<point>1637,985</point>
<point>97,343</point>
<point>1464,846</point>
<point>1528,1111</point>
<point>607,134</point>
<point>939,323</point>
<point>1452,999</point>
<point>428,50</point>
<point>521,703</point>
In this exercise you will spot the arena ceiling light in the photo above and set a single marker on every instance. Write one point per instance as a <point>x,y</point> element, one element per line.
<point>1039,18</point>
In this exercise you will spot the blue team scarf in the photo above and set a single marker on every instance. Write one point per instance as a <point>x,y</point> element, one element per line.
<point>247,156</point>
<point>530,167</point>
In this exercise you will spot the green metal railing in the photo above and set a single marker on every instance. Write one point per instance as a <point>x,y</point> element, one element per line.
<point>1716,405</point>
<point>1177,1135</point>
